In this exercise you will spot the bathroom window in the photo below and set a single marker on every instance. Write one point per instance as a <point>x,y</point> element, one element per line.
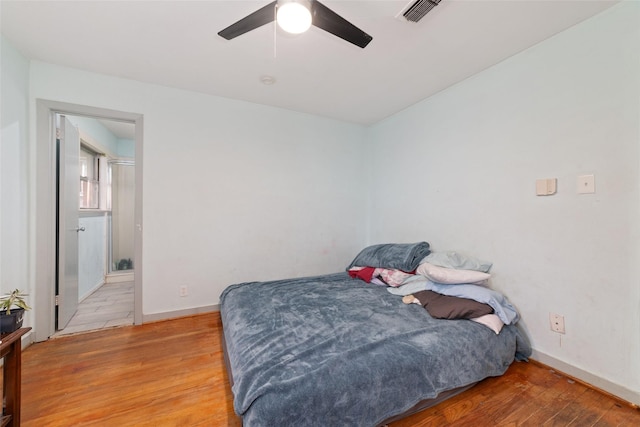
<point>89,178</point>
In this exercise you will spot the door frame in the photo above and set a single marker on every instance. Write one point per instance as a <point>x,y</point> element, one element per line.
<point>45,208</point>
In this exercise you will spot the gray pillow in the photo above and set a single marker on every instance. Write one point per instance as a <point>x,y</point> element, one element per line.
<point>399,256</point>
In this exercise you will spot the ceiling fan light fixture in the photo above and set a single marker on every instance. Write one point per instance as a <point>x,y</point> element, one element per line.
<point>294,16</point>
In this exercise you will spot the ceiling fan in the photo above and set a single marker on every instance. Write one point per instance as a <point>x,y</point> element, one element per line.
<point>296,16</point>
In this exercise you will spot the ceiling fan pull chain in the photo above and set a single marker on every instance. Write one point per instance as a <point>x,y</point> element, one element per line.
<point>275,31</point>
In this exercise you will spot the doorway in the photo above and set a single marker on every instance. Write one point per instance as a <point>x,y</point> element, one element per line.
<point>47,218</point>
<point>102,215</point>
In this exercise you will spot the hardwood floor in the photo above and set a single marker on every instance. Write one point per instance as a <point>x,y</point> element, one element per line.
<point>172,373</point>
<point>167,373</point>
<point>529,394</point>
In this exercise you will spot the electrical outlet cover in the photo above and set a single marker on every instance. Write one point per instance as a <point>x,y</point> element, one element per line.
<point>586,184</point>
<point>556,322</point>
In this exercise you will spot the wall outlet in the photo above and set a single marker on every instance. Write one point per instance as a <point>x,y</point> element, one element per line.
<point>556,322</point>
<point>586,184</point>
<point>184,291</point>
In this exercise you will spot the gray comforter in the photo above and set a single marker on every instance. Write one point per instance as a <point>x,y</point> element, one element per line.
<point>335,351</point>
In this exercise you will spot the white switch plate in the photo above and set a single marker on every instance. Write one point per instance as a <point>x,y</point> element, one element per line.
<point>586,184</point>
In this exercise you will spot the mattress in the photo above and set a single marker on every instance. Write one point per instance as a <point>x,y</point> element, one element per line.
<point>333,350</point>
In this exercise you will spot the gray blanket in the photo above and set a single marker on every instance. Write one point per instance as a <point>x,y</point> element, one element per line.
<point>335,351</point>
<point>400,256</point>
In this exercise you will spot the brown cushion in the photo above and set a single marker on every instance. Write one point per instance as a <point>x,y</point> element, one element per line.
<point>446,307</point>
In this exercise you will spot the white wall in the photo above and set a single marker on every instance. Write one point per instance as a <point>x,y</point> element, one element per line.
<point>233,191</point>
<point>14,163</point>
<point>459,171</point>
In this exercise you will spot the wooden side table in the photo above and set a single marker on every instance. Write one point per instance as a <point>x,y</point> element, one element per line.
<point>11,352</point>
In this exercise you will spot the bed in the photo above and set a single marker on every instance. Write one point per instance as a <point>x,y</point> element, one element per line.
<point>334,350</point>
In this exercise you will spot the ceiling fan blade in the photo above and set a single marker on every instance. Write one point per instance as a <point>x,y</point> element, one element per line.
<point>250,22</point>
<point>328,20</point>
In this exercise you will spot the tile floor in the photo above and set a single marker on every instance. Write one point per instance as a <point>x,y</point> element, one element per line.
<point>109,306</point>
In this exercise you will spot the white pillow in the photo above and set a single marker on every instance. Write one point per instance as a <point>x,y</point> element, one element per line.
<point>451,276</point>
<point>491,321</point>
<point>452,259</point>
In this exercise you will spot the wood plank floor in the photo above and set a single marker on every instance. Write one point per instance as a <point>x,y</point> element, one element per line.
<point>172,373</point>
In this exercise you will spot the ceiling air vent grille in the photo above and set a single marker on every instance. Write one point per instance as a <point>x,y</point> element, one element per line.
<point>420,8</point>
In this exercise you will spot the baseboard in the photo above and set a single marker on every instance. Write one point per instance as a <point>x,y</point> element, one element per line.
<point>179,313</point>
<point>631,396</point>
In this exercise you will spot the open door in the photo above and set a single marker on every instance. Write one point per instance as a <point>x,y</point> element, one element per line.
<point>68,190</point>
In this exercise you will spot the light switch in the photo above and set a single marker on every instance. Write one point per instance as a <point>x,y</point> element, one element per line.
<point>586,184</point>
<point>546,187</point>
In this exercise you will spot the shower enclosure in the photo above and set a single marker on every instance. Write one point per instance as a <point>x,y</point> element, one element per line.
<point>122,181</point>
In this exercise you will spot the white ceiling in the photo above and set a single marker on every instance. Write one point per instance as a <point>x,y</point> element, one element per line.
<point>175,43</point>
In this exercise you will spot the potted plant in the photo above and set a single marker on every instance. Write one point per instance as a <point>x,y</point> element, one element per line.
<point>11,320</point>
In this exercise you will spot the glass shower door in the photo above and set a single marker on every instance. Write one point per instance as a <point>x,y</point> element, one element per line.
<point>122,220</point>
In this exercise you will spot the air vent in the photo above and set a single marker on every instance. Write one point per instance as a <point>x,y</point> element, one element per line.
<point>419,9</point>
